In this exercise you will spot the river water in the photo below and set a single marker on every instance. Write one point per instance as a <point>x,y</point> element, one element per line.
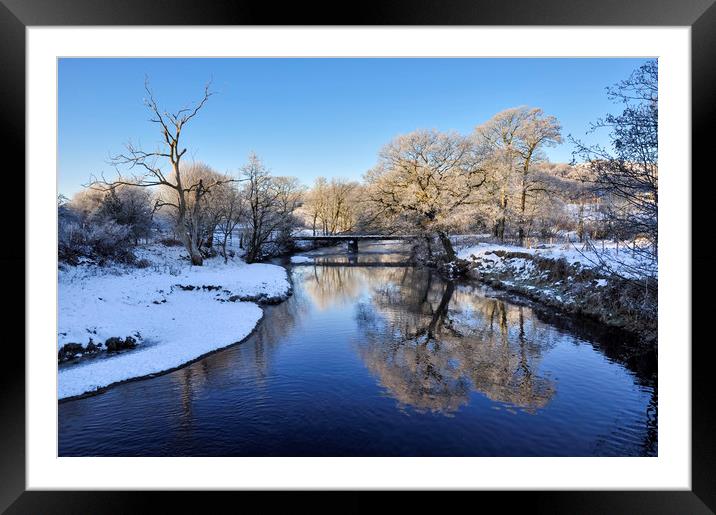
<point>371,357</point>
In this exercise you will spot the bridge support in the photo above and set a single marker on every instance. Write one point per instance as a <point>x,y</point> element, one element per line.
<point>353,246</point>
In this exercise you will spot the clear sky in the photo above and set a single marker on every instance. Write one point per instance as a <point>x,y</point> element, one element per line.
<point>313,117</point>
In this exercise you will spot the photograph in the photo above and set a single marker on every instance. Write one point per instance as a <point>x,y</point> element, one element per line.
<point>357,256</point>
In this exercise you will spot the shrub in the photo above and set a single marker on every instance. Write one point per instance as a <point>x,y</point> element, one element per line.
<point>95,240</point>
<point>103,225</point>
<point>171,242</point>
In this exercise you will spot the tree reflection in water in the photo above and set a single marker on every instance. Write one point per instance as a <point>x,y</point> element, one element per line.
<point>333,286</point>
<point>430,343</point>
<point>325,371</point>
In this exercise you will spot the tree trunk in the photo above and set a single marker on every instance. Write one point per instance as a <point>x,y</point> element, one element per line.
<point>580,224</point>
<point>447,245</point>
<point>500,229</point>
<point>189,244</point>
<point>196,257</point>
<point>441,310</point>
<point>501,221</point>
<point>523,205</point>
<point>223,246</point>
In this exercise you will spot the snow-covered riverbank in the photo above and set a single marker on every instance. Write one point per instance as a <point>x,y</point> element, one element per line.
<point>572,280</point>
<point>174,312</point>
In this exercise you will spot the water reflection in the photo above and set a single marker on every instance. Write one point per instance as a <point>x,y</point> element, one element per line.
<point>222,368</point>
<point>469,374</point>
<point>385,253</point>
<point>430,343</point>
<point>333,286</point>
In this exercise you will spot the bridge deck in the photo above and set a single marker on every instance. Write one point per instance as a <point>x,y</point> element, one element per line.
<point>350,237</point>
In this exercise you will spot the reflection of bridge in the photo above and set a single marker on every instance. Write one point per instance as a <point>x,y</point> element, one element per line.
<point>353,239</point>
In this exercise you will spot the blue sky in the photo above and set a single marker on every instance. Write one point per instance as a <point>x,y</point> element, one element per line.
<point>313,117</point>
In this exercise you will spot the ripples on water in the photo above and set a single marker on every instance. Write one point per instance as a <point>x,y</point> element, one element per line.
<point>382,361</point>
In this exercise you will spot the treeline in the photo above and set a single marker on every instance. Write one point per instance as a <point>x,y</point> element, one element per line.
<point>194,202</point>
<point>105,222</point>
<point>495,180</point>
<point>498,180</point>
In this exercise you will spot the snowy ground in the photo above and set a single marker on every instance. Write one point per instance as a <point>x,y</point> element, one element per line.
<point>176,312</point>
<point>619,260</point>
<point>301,259</point>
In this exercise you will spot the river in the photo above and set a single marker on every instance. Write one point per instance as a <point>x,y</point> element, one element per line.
<point>373,357</point>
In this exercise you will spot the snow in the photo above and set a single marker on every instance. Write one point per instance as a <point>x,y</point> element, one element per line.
<point>621,261</point>
<point>301,259</point>
<point>172,323</point>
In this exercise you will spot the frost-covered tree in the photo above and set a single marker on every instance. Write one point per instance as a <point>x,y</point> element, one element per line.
<point>516,138</point>
<point>500,135</point>
<point>203,209</point>
<point>331,206</point>
<point>103,224</point>
<point>316,205</point>
<point>424,178</point>
<point>536,132</point>
<point>130,207</point>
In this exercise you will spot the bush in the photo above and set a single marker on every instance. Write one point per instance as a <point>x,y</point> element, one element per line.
<point>171,242</point>
<point>95,240</point>
<point>103,225</point>
<point>129,207</point>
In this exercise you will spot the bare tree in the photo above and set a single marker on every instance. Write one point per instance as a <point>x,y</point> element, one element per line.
<point>203,212</point>
<point>289,195</point>
<point>426,177</point>
<point>628,172</point>
<point>231,207</point>
<point>270,203</point>
<point>152,167</point>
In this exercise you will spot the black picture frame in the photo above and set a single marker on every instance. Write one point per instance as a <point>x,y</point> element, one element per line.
<point>16,15</point>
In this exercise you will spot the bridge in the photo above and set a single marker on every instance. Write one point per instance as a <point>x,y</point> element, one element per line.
<point>353,239</point>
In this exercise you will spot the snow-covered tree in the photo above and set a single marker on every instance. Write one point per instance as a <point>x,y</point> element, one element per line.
<point>516,138</point>
<point>424,178</point>
<point>332,206</point>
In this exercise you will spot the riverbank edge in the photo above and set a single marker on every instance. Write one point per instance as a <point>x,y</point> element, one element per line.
<point>580,292</point>
<point>265,301</point>
<point>103,389</point>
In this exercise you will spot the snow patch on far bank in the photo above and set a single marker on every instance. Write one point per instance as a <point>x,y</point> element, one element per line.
<point>567,279</point>
<point>301,259</point>
<point>620,259</point>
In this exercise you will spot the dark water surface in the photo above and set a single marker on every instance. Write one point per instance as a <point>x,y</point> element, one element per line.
<point>374,360</point>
